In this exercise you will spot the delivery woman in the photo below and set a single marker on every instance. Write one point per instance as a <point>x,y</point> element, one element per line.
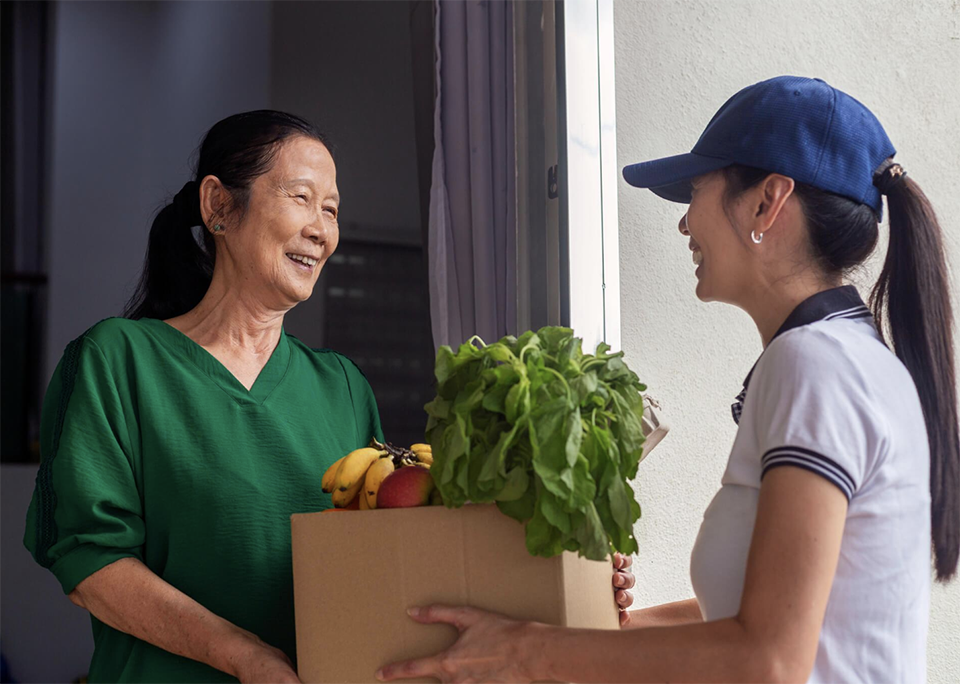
<point>176,442</point>
<point>813,561</point>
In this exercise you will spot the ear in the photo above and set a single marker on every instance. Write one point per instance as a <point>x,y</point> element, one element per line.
<point>771,196</point>
<point>214,201</point>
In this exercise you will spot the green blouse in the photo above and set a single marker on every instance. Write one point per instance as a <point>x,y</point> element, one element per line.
<point>152,449</point>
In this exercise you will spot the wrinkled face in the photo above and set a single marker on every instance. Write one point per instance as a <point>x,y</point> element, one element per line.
<point>290,227</point>
<point>722,260</point>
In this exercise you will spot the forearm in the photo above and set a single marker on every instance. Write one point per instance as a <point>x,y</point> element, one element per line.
<point>720,651</point>
<point>666,615</point>
<point>131,598</point>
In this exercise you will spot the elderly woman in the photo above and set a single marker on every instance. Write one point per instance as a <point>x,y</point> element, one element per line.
<point>177,441</point>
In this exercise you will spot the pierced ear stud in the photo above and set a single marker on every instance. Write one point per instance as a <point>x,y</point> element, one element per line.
<point>217,228</point>
<point>757,239</point>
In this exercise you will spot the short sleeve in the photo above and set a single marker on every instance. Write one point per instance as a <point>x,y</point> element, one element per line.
<point>86,510</point>
<point>364,403</point>
<point>813,410</point>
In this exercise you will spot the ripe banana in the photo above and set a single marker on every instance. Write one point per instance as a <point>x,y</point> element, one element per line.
<point>330,476</point>
<point>362,497</point>
<point>350,476</point>
<point>375,476</point>
<point>424,452</point>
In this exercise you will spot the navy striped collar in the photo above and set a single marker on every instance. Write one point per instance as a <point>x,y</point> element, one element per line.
<point>839,302</point>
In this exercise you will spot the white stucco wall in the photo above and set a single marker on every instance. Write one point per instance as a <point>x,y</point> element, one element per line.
<point>676,63</point>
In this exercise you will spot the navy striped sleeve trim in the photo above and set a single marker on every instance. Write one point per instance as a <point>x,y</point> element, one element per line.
<point>812,461</point>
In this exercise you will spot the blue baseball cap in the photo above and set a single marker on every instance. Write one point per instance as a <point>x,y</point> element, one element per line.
<point>799,127</point>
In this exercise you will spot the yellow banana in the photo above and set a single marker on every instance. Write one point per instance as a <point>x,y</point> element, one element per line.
<point>423,452</point>
<point>375,476</point>
<point>330,476</point>
<point>350,476</point>
<point>362,497</point>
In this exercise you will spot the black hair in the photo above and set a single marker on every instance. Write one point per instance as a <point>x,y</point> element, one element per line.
<point>178,268</point>
<point>911,299</point>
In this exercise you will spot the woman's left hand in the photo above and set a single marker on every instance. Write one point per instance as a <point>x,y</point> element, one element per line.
<point>491,648</point>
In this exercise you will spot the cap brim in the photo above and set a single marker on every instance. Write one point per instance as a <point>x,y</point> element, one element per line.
<point>670,177</point>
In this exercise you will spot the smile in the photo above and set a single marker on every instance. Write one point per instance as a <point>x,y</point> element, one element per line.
<point>697,257</point>
<point>303,260</point>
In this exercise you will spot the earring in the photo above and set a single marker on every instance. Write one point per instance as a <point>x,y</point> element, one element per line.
<point>217,228</point>
<point>757,239</point>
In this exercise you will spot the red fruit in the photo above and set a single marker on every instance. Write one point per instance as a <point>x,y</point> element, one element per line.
<point>405,488</point>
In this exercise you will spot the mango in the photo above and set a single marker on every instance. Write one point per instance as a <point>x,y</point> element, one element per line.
<point>406,488</point>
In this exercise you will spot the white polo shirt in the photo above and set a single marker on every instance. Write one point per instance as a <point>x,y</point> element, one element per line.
<point>828,396</point>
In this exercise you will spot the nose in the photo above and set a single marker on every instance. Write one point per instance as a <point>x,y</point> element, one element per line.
<point>684,229</point>
<point>316,231</point>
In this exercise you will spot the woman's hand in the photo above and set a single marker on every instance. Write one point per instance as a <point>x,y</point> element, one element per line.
<point>264,664</point>
<point>491,648</point>
<point>623,581</point>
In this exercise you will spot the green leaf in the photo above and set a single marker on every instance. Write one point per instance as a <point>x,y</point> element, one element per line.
<point>553,336</point>
<point>574,436</point>
<point>446,364</point>
<point>500,352</point>
<point>554,512</point>
<point>584,488</point>
<point>522,508</point>
<point>517,484</point>
<point>543,539</point>
<point>469,398</point>
<point>518,401</point>
<point>583,386</point>
<point>594,543</point>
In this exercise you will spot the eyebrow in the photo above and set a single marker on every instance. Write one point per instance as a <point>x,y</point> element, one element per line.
<point>307,181</point>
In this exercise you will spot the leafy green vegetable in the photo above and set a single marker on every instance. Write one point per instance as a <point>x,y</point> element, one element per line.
<point>552,435</point>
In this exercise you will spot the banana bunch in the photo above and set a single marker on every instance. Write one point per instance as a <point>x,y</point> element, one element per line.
<point>354,480</point>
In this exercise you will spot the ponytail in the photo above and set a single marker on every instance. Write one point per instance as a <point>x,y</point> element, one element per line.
<point>178,267</point>
<point>913,296</point>
<point>914,293</point>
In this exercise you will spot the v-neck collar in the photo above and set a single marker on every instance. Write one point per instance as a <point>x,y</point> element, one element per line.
<point>838,302</point>
<point>270,376</point>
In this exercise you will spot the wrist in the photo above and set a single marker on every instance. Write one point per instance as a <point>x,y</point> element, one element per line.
<point>536,650</point>
<point>232,649</point>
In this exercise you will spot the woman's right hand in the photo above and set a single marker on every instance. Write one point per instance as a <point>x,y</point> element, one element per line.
<point>264,664</point>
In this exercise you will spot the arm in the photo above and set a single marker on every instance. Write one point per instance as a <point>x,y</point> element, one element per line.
<point>790,568</point>
<point>774,638</point>
<point>665,615</point>
<point>129,597</point>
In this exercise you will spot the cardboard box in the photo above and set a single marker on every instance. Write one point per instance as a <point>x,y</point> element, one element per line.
<point>355,573</point>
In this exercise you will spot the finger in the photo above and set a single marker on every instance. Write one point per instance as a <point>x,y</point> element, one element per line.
<point>624,580</point>
<point>617,560</point>
<point>624,598</point>
<point>409,669</point>
<point>627,562</point>
<point>460,617</point>
<point>624,618</point>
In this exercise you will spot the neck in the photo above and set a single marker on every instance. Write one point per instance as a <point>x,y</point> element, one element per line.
<point>231,319</point>
<point>772,302</point>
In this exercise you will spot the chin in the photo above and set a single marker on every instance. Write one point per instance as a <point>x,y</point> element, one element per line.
<point>703,292</point>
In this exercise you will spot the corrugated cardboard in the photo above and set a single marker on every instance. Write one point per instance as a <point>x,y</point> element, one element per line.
<point>355,574</point>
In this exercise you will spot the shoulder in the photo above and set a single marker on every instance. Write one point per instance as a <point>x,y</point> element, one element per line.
<point>113,332</point>
<point>111,338</point>
<point>832,355</point>
<point>328,358</point>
